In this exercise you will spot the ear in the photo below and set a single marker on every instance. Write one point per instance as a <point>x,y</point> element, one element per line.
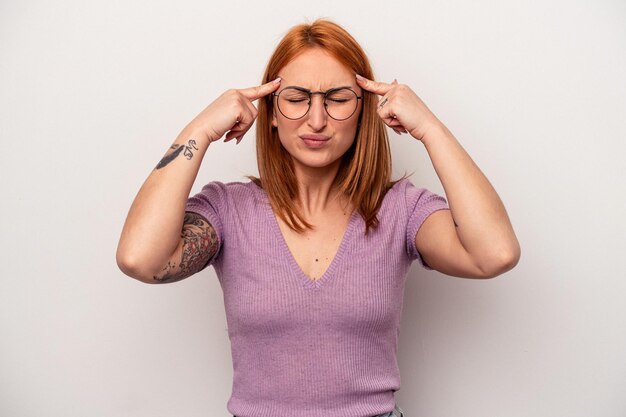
<point>274,121</point>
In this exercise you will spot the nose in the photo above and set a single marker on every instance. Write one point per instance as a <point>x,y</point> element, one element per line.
<point>317,116</point>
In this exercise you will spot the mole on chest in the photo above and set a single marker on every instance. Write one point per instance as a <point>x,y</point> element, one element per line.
<point>314,257</point>
<point>315,250</point>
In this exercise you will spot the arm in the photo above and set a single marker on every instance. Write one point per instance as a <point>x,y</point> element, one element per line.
<point>475,238</point>
<point>151,236</point>
<point>198,245</point>
<point>151,247</point>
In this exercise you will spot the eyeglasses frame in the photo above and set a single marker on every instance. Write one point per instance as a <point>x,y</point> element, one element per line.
<point>311,93</point>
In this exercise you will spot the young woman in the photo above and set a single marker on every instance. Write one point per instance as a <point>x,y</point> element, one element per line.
<point>312,255</point>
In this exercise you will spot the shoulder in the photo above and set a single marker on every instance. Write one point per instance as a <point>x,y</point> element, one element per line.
<point>244,192</point>
<point>397,194</point>
<point>234,195</point>
<point>403,186</point>
<point>391,205</point>
<point>413,205</point>
<point>223,197</point>
<point>233,189</point>
<point>419,198</point>
<point>400,186</point>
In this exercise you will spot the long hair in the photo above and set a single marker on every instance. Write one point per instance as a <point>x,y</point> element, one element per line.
<point>364,174</point>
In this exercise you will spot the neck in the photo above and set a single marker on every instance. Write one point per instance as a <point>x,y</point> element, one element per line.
<point>316,192</point>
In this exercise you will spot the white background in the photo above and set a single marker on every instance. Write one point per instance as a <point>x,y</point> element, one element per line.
<point>93,93</point>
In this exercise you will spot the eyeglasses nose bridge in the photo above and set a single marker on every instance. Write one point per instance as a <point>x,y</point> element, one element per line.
<point>322,93</point>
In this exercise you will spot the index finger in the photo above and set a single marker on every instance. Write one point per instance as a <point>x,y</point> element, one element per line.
<point>373,86</point>
<point>253,93</point>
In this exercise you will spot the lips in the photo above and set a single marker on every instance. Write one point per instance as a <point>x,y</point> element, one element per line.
<point>315,137</point>
<point>313,141</point>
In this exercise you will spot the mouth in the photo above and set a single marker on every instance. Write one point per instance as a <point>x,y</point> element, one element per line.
<point>314,137</point>
<point>314,141</point>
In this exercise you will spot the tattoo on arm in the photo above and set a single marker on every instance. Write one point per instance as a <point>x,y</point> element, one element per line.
<point>199,246</point>
<point>188,153</point>
<point>177,149</point>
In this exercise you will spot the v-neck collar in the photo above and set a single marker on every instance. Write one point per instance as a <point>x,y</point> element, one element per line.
<point>288,256</point>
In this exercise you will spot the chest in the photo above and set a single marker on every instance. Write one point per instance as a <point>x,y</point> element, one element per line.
<point>282,282</point>
<point>314,250</point>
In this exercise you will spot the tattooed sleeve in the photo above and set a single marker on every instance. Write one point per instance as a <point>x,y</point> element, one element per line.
<point>199,245</point>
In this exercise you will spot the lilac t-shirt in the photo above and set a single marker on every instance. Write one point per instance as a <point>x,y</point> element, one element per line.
<point>304,348</point>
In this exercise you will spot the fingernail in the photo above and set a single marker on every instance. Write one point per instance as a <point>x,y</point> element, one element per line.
<point>276,81</point>
<point>358,77</point>
<point>239,140</point>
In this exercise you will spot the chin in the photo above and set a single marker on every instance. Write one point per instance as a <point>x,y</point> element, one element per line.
<point>314,161</point>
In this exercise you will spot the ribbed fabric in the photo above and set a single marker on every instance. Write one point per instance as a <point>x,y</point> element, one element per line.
<point>304,348</point>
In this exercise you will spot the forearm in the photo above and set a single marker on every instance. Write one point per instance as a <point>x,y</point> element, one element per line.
<point>153,226</point>
<point>481,221</point>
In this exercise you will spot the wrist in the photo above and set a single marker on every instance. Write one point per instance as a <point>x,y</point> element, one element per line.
<point>197,134</point>
<point>433,132</point>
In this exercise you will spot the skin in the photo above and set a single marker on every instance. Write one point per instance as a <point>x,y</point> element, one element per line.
<point>161,243</point>
<point>315,169</point>
<point>199,243</point>
<point>475,238</point>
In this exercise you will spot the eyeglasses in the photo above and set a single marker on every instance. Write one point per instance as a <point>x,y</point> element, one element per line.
<point>294,102</point>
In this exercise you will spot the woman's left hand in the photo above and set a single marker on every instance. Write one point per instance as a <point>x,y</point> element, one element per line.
<point>400,108</point>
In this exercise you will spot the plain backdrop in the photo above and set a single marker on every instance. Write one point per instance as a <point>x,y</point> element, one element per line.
<point>92,94</point>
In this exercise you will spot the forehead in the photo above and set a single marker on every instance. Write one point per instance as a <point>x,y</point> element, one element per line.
<point>316,69</point>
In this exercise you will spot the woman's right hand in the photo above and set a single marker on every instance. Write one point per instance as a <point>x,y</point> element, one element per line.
<point>232,111</point>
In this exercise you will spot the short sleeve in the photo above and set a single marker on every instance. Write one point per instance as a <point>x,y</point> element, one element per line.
<point>420,203</point>
<point>211,203</point>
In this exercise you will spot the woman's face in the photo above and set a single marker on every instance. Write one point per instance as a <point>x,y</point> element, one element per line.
<point>316,70</point>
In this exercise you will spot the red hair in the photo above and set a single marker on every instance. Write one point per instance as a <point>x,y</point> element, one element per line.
<point>365,169</point>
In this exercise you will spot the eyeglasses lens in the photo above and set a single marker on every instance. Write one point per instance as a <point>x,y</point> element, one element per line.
<point>294,103</point>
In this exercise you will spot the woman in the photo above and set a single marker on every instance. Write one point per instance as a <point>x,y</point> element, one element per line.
<point>312,256</point>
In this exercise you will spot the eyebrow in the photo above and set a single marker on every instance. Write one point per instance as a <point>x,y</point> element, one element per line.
<point>310,91</point>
